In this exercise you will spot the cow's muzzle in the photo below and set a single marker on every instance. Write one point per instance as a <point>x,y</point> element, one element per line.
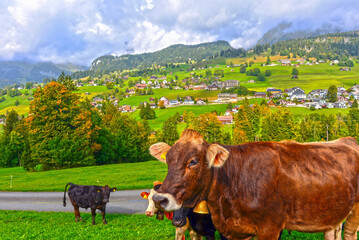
<point>160,201</point>
<point>179,222</point>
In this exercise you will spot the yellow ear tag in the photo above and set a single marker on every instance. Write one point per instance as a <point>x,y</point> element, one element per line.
<point>145,197</point>
<point>114,190</point>
<point>163,155</point>
<point>98,190</point>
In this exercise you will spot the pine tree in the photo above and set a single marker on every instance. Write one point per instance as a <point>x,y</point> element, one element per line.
<point>355,104</point>
<point>170,134</point>
<point>67,82</point>
<point>332,93</point>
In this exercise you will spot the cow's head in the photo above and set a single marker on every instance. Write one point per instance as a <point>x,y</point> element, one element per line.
<point>105,192</point>
<point>190,161</point>
<point>151,208</point>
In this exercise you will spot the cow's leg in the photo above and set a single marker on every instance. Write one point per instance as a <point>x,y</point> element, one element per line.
<point>334,234</point>
<point>77,214</point>
<point>352,223</point>
<point>93,213</point>
<point>192,233</point>
<point>268,232</point>
<point>103,209</point>
<point>180,232</point>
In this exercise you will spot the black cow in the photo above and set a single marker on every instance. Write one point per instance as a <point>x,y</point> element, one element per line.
<point>200,223</point>
<point>94,197</point>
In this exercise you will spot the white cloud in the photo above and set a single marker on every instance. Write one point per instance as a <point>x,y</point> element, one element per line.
<point>80,30</point>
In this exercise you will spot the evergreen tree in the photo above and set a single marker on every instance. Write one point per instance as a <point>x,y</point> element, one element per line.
<point>295,71</point>
<point>332,93</point>
<point>147,112</point>
<point>355,104</point>
<point>242,69</point>
<point>67,82</point>
<point>170,134</point>
<point>268,61</point>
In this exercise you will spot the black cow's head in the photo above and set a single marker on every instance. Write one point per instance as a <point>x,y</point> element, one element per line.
<point>180,217</point>
<point>104,193</point>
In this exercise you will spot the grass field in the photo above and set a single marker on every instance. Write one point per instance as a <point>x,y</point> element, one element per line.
<point>164,114</point>
<point>123,176</point>
<point>170,94</point>
<point>53,225</point>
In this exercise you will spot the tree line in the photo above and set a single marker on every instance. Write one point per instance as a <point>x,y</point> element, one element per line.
<point>63,131</point>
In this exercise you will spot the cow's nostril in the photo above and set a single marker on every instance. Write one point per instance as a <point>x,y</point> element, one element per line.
<point>160,201</point>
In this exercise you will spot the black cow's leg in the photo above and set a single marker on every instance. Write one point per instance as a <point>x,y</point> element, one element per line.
<point>77,213</point>
<point>103,209</point>
<point>93,213</point>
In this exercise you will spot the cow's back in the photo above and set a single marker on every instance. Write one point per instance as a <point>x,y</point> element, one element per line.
<point>84,196</point>
<point>304,185</point>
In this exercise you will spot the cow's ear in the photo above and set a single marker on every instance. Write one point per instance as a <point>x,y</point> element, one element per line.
<point>144,195</point>
<point>159,151</point>
<point>113,189</point>
<point>216,155</point>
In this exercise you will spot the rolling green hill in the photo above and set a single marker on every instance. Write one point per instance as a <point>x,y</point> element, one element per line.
<point>173,54</point>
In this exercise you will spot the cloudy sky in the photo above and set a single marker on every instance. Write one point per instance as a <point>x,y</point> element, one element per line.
<point>78,31</point>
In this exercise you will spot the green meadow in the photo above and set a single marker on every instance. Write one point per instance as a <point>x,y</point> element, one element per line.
<point>163,114</point>
<point>57,225</point>
<point>124,176</point>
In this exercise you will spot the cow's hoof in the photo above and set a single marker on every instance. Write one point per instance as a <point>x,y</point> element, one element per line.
<point>93,223</point>
<point>105,222</point>
<point>76,220</point>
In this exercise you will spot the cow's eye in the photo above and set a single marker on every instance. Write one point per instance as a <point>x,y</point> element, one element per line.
<point>192,163</point>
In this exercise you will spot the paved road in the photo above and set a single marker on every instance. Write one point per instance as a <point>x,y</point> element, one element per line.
<point>129,202</point>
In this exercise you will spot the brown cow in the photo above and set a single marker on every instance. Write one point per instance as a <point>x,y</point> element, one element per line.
<point>261,188</point>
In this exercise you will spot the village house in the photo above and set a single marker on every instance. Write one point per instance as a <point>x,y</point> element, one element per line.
<point>141,86</point>
<point>200,87</point>
<point>188,102</point>
<point>225,119</point>
<point>270,103</point>
<point>228,84</point>
<point>342,105</point>
<point>317,94</point>
<point>285,61</point>
<point>125,108</point>
<point>212,87</point>
<point>355,95</point>
<point>227,97</point>
<point>200,102</point>
<point>260,95</point>
<point>342,99</point>
<point>153,105</point>
<point>97,99</point>
<point>295,93</point>
<point>173,102</point>
<point>252,81</point>
<point>275,93</point>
